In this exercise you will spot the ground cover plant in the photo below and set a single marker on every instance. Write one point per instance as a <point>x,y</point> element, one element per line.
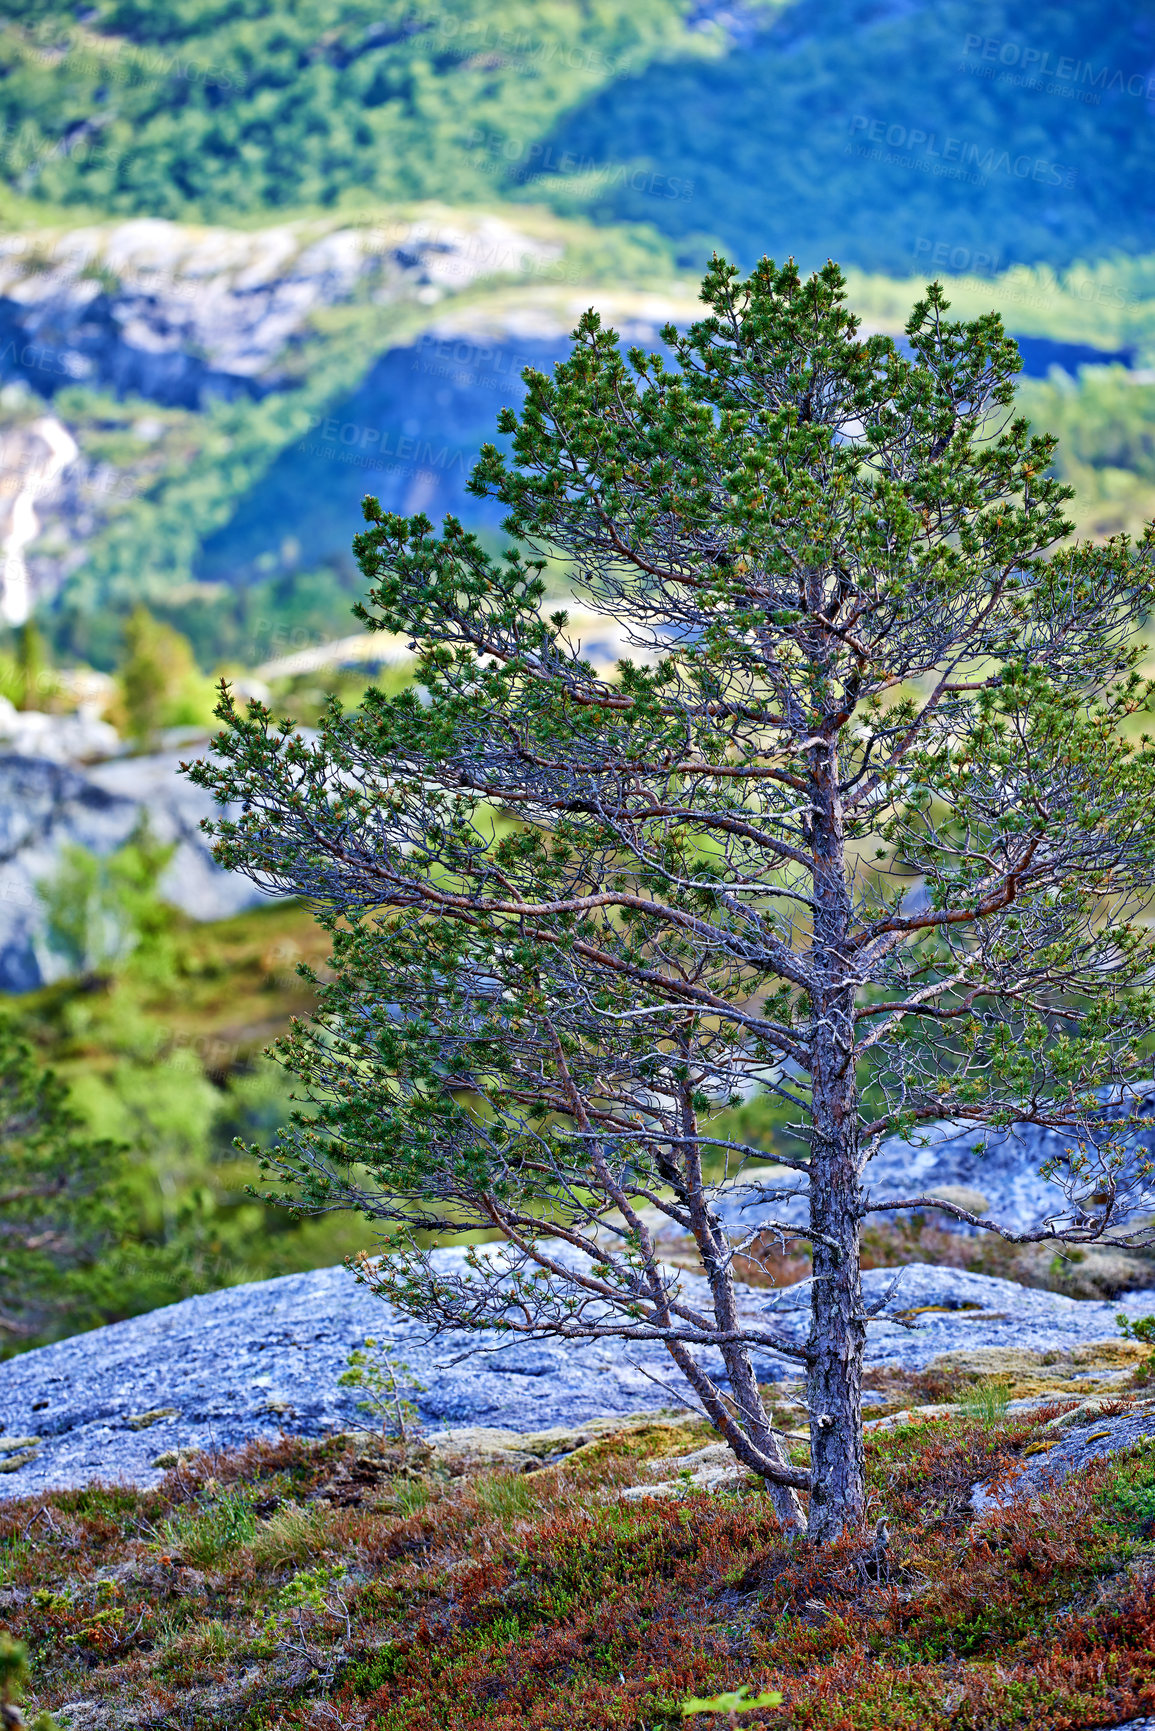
<point>359,1584</point>
<point>863,828</point>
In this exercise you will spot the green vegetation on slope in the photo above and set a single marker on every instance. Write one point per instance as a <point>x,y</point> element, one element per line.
<point>870,134</point>
<point>188,480</point>
<point>161,1053</point>
<point>193,108</point>
<point>356,1583</point>
<point>875,134</point>
<point>162,481</point>
<point>764,139</point>
<point>185,483</point>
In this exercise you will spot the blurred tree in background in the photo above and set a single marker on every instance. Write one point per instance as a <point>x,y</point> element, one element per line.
<point>103,909</point>
<point>58,1212</point>
<point>160,683</point>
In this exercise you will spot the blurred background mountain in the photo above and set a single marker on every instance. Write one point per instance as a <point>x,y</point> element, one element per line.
<point>258,259</point>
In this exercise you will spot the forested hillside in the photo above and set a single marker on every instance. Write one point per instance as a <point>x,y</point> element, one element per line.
<point>188,108</point>
<point>996,133</point>
<point>913,140</point>
<point>1003,132</point>
<point>260,257</point>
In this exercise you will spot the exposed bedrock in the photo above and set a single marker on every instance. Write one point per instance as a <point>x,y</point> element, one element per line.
<point>999,1168</point>
<point>254,1360</point>
<point>47,806</point>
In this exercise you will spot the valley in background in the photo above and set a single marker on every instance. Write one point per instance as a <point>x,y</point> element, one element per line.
<point>254,265</point>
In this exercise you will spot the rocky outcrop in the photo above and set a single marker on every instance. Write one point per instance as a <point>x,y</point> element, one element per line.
<point>1002,1165</point>
<point>995,1171</point>
<point>180,314</point>
<point>46,806</point>
<point>79,736</point>
<point>1068,1444</point>
<point>253,1360</point>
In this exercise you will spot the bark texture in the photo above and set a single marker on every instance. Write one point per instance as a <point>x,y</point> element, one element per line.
<point>838,1330</point>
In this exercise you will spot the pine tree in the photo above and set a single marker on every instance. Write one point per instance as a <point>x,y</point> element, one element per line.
<point>58,1211</point>
<point>867,822</point>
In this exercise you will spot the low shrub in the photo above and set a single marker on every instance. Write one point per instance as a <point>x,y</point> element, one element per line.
<point>295,1584</point>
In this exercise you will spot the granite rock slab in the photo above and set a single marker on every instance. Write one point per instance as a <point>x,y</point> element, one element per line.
<point>252,1361</point>
<point>1003,1166</point>
<point>257,1360</point>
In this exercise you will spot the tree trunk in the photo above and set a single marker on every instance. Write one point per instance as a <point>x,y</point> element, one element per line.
<point>837,1331</point>
<point>837,1327</point>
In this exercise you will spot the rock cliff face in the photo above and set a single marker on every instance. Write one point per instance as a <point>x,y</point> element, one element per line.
<point>158,313</point>
<point>46,806</point>
<point>178,315</point>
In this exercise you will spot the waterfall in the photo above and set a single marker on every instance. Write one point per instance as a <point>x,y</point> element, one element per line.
<point>25,525</point>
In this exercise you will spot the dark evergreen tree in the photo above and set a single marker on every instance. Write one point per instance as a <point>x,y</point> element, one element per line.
<point>58,1211</point>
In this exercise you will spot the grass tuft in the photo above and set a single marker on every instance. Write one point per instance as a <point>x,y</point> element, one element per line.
<point>291,1536</point>
<point>503,1496</point>
<point>986,1403</point>
<point>205,1533</point>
